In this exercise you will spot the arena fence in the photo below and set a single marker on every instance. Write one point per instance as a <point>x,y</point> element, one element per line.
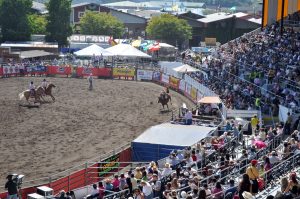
<point>89,172</point>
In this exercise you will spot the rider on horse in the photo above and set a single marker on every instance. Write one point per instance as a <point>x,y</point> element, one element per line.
<point>44,85</point>
<point>32,88</point>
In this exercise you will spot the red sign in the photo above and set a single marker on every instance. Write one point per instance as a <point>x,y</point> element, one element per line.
<point>101,72</point>
<point>58,70</point>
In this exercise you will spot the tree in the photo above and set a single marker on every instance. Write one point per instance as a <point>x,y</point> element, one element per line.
<point>14,20</point>
<point>93,23</point>
<point>58,27</point>
<point>37,23</point>
<point>169,28</point>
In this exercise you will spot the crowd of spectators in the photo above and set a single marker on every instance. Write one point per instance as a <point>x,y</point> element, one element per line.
<point>239,70</point>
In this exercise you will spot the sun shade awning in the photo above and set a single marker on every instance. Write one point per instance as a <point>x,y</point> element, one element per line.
<point>210,100</point>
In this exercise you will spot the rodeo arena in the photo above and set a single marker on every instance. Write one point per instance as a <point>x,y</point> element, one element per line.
<point>114,122</point>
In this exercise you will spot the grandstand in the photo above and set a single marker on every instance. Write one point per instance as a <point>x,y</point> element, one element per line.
<point>258,73</point>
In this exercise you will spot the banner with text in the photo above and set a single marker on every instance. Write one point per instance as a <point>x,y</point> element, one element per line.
<point>174,82</point>
<point>182,85</point>
<point>10,70</point>
<point>156,76</point>
<point>194,93</point>
<point>144,74</point>
<point>123,72</point>
<point>165,78</point>
<point>58,70</point>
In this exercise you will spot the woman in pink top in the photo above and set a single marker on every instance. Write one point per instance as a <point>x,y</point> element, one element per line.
<point>217,192</point>
<point>116,183</point>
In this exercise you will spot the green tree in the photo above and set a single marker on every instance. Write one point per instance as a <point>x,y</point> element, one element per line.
<point>169,28</point>
<point>58,27</point>
<point>37,23</point>
<point>93,23</point>
<point>14,21</point>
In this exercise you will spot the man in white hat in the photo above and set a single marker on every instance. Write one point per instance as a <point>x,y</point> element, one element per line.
<point>247,195</point>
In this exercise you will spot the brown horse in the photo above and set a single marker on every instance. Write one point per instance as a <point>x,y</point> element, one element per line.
<point>48,91</point>
<point>27,94</point>
<point>164,98</point>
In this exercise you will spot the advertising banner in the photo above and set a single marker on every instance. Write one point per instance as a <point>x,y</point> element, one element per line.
<point>144,74</point>
<point>10,70</point>
<point>174,82</point>
<point>199,95</point>
<point>193,93</point>
<point>156,76</point>
<point>86,71</point>
<point>165,78</point>
<point>110,165</point>
<point>36,69</point>
<point>104,72</point>
<point>123,72</point>
<point>188,88</point>
<point>58,70</point>
<point>182,85</point>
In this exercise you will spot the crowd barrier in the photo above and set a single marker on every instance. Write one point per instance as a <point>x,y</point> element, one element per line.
<point>89,174</point>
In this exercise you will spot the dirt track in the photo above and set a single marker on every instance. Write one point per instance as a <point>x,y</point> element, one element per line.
<point>80,125</point>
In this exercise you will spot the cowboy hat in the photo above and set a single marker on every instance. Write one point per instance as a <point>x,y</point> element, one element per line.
<point>247,195</point>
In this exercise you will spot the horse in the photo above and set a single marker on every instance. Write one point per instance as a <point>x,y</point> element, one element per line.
<point>164,99</point>
<point>27,94</point>
<point>48,91</point>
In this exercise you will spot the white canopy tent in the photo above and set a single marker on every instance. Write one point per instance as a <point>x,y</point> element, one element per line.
<point>126,50</point>
<point>185,68</point>
<point>93,50</point>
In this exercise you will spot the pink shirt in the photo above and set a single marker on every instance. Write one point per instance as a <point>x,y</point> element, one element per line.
<point>116,183</point>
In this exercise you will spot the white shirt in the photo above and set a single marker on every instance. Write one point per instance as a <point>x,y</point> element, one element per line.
<point>274,159</point>
<point>95,191</point>
<point>31,86</point>
<point>166,171</point>
<point>44,84</point>
<point>147,189</point>
<point>189,115</point>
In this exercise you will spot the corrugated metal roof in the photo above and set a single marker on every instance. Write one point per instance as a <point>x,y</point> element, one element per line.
<point>220,16</point>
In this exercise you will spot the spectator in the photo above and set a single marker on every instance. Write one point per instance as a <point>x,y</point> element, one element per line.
<point>207,190</point>
<point>133,182</point>
<point>202,194</point>
<point>267,166</point>
<point>138,174</point>
<point>288,124</point>
<point>167,170</point>
<point>189,118</point>
<point>253,174</point>
<point>274,158</point>
<point>254,123</point>
<point>156,184</point>
<point>116,183</point>
<point>123,185</point>
<point>284,184</point>
<point>217,191</point>
<point>232,188</point>
<point>293,184</point>
<point>95,191</point>
<point>101,190</point>
<point>244,186</point>
<point>62,195</point>
<point>174,184</point>
<point>147,190</point>
<point>138,194</point>
<point>167,190</point>
<point>11,187</point>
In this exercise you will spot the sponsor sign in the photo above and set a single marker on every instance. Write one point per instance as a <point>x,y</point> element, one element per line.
<point>174,82</point>
<point>144,74</point>
<point>110,165</point>
<point>182,85</point>
<point>89,38</point>
<point>188,88</point>
<point>165,78</point>
<point>156,75</point>
<point>123,72</point>
<point>194,93</point>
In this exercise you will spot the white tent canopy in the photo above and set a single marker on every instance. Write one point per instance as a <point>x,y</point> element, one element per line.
<point>126,50</point>
<point>93,50</point>
<point>185,68</point>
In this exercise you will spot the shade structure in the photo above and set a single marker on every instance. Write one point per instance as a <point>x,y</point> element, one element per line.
<point>158,141</point>
<point>185,69</point>
<point>154,48</point>
<point>210,100</point>
<point>126,50</point>
<point>93,50</point>
<point>34,53</point>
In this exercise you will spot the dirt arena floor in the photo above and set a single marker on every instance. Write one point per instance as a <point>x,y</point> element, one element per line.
<point>80,125</point>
